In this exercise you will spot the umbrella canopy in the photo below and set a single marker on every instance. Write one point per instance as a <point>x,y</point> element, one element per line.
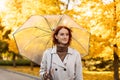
<point>35,35</point>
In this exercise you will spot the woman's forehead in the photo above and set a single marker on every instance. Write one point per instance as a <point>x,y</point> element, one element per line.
<point>63,30</point>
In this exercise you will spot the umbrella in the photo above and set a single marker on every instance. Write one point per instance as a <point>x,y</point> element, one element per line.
<point>34,36</point>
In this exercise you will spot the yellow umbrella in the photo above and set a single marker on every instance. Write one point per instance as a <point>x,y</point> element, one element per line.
<point>35,35</point>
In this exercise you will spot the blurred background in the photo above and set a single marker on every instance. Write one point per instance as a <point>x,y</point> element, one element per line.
<point>99,17</point>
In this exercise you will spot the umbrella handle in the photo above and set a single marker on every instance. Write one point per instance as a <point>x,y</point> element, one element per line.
<point>51,67</point>
<point>51,62</point>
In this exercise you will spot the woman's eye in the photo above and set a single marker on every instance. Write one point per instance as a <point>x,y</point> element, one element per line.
<point>67,34</point>
<point>62,34</point>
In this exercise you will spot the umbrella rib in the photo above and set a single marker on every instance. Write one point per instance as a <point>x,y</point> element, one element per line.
<point>59,20</point>
<point>32,40</point>
<point>34,27</point>
<point>80,44</point>
<point>42,29</point>
<point>16,43</point>
<point>47,22</point>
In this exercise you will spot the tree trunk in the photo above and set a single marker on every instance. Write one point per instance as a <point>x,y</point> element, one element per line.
<point>115,64</point>
<point>13,59</point>
<point>67,5</point>
<point>32,65</point>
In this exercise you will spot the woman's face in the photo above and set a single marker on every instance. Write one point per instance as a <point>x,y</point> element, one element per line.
<point>62,36</point>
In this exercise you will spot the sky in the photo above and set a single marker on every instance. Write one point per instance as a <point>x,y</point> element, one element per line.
<point>72,3</point>
<point>3,5</point>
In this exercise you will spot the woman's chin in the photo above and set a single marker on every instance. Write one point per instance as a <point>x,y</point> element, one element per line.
<point>64,44</point>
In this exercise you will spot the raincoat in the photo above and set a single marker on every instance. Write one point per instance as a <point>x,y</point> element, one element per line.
<point>69,69</point>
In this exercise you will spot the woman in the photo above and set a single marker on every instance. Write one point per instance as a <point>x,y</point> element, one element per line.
<point>61,62</point>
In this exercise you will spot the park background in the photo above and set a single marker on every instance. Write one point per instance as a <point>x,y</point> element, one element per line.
<point>99,17</point>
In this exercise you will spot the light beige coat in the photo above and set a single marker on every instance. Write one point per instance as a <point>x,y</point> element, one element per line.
<point>69,69</point>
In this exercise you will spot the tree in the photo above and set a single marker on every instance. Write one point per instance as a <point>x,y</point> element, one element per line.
<point>108,38</point>
<point>19,11</point>
<point>101,19</point>
<point>3,46</point>
<point>116,58</point>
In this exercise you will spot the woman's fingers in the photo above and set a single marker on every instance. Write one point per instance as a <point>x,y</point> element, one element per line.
<point>46,75</point>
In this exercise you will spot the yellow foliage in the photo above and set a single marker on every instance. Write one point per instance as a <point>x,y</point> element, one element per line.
<point>101,20</point>
<point>12,46</point>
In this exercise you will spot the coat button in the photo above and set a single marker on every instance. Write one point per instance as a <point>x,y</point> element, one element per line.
<point>64,69</point>
<point>56,69</point>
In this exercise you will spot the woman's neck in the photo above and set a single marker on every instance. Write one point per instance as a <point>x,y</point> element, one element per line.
<point>62,48</point>
<point>62,51</point>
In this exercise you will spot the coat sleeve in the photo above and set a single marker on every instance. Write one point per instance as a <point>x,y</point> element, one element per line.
<point>43,65</point>
<point>78,68</point>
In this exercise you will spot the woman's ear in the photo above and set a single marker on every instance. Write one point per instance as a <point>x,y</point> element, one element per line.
<point>56,37</point>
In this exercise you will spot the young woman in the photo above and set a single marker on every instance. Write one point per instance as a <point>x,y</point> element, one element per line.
<point>61,62</point>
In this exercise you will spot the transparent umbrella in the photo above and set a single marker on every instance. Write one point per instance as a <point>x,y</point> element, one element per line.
<point>35,35</point>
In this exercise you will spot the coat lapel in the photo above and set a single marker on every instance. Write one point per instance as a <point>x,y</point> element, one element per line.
<point>57,61</point>
<point>56,58</point>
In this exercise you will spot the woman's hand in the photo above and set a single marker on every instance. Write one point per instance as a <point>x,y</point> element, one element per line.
<point>47,76</point>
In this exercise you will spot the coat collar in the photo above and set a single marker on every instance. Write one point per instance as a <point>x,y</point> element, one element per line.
<point>54,48</point>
